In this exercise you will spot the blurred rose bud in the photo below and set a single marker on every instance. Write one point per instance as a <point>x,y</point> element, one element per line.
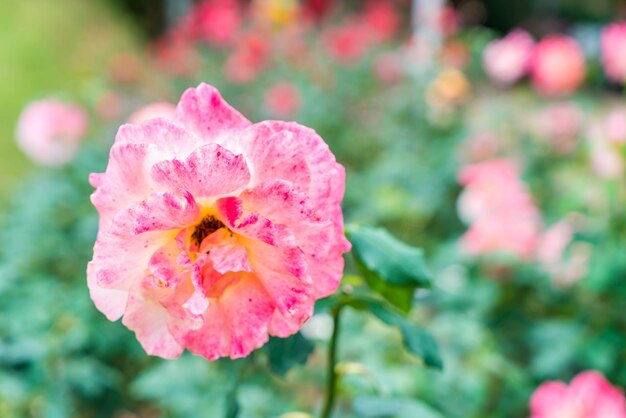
<point>614,51</point>
<point>508,59</point>
<point>50,131</point>
<point>558,66</point>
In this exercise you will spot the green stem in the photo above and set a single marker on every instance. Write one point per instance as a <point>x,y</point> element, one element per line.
<point>331,382</point>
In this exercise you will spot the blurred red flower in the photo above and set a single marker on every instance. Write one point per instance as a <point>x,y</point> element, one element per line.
<point>282,99</point>
<point>558,65</point>
<point>248,59</point>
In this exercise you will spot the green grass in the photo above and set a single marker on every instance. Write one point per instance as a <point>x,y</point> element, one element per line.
<point>51,47</point>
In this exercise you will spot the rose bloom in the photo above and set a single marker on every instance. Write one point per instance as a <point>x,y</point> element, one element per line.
<point>50,131</point>
<point>589,395</point>
<point>282,99</point>
<point>614,51</point>
<point>507,60</point>
<point>558,66</point>
<point>214,232</point>
<point>499,210</point>
<point>152,111</point>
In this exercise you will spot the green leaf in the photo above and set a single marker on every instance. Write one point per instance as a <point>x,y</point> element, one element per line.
<point>285,353</point>
<point>416,340</point>
<point>390,267</point>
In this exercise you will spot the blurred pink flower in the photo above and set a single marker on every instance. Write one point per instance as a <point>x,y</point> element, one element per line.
<point>349,42</point>
<point>215,21</point>
<point>318,8</point>
<point>152,111</point>
<point>589,395</point>
<point>481,146</point>
<point>176,54</point>
<point>214,232</point>
<point>606,159</point>
<point>615,125</point>
<point>50,131</point>
<point>449,21</point>
<point>551,254</point>
<point>614,51</point>
<point>389,67</point>
<point>382,19</point>
<point>508,59</point>
<point>558,66</point>
<point>561,124</point>
<point>282,99</point>
<point>248,59</point>
<point>499,210</point>
<point>553,243</point>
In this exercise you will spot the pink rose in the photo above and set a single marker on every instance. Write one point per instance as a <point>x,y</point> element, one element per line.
<point>508,59</point>
<point>499,210</point>
<point>215,232</point>
<point>50,131</point>
<point>589,395</point>
<point>614,51</point>
<point>558,66</point>
<point>282,99</point>
<point>152,111</point>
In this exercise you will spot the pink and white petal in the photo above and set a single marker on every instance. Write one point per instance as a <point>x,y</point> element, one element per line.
<point>203,111</point>
<point>230,256</point>
<point>283,274</point>
<point>250,225</point>
<point>326,185</point>
<point>284,325</point>
<point>209,171</point>
<point>548,397</point>
<point>160,212</point>
<point>274,154</point>
<point>248,310</point>
<point>120,260</point>
<point>111,302</point>
<point>149,319</point>
<point>212,339</point>
<point>172,138</point>
<point>125,181</point>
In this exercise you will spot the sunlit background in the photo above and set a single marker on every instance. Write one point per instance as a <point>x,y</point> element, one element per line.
<point>491,133</point>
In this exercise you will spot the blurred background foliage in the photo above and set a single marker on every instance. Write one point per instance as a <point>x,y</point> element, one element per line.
<point>504,324</point>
